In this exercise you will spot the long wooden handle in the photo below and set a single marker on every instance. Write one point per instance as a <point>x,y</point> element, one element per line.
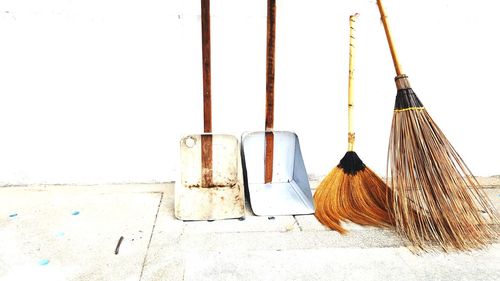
<point>395,59</point>
<point>350,89</point>
<point>206,140</point>
<point>271,29</point>
<point>207,91</point>
<point>271,39</point>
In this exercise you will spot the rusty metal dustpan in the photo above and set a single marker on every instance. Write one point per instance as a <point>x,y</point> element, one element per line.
<point>276,177</point>
<point>210,186</point>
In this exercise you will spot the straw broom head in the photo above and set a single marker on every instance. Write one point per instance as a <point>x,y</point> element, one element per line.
<point>351,191</point>
<point>436,201</point>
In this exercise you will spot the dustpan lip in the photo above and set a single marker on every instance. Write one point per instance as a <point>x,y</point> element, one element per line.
<point>248,133</point>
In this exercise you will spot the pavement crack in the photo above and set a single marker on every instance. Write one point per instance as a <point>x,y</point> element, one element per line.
<point>151,236</point>
<point>297,222</point>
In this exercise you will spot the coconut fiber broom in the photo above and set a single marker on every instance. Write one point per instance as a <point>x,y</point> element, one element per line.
<point>351,191</point>
<point>437,202</point>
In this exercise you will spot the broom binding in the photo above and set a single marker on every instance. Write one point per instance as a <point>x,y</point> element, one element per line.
<point>351,163</point>
<point>406,99</point>
<point>402,82</point>
<point>351,138</point>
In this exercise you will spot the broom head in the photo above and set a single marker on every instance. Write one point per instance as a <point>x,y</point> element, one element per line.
<point>437,202</point>
<point>353,192</point>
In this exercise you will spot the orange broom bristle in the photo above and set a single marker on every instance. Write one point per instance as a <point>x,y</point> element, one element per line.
<point>357,195</point>
<point>370,196</point>
<point>326,199</point>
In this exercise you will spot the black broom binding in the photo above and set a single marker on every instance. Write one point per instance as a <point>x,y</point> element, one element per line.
<point>351,163</point>
<point>406,99</point>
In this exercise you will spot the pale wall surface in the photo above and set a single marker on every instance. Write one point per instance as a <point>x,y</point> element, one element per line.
<point>101,91</point>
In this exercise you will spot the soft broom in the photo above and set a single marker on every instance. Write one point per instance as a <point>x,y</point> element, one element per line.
<point>437,202</point>
<point>351,191</point>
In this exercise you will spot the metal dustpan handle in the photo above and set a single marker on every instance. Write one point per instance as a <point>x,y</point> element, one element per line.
<point>271,38</point>
<point>206,140</point>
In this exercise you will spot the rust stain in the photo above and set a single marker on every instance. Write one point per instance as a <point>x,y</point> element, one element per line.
<point>217,186</point>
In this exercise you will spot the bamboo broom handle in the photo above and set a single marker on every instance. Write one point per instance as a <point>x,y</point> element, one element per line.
<point>350,89</point>
<point>269,143</point>
<point>206,140</point>
<point>395,59</point>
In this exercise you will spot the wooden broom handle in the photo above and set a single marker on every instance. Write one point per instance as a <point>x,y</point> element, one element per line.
<point>206,140</point>
<point>395,59</point>
<point>270,50</point>
<point>350,87</point>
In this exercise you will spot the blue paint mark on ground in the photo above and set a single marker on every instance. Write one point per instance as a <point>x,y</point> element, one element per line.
<point>13,215</point>
<point>60,234</point>
<point>75,213</point>
<point>43,262</point>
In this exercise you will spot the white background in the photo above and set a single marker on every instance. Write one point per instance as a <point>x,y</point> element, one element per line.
<point>100,91</point>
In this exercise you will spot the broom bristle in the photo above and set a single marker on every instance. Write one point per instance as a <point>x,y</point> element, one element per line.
<point>324,200</point>
<point>437,202</point>
<point>351,191</point>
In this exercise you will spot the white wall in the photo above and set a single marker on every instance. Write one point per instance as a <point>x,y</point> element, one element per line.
<point>99,91</point>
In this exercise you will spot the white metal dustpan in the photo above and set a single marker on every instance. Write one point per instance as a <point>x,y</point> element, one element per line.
<point>276,178</point>
<point>289,192</point>
<point>210,185</point>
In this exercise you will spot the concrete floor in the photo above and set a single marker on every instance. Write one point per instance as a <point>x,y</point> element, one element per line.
<point>71,232</point>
